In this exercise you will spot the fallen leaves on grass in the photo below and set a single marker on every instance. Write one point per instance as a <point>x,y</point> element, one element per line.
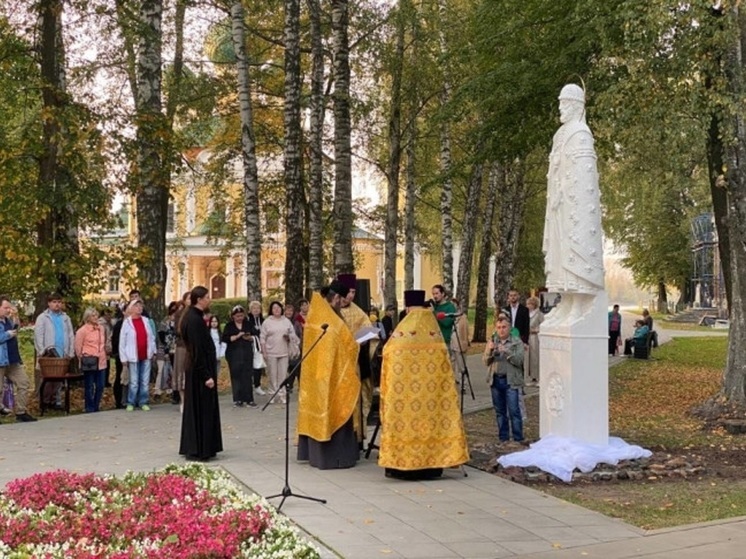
<point>650,402</point>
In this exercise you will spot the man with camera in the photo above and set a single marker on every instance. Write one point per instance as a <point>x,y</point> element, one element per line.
<point>503,356</point>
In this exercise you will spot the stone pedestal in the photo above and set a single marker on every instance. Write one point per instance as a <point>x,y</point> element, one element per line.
<point>574,367</point>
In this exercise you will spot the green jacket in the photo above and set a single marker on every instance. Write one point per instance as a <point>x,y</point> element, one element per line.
<point>446,323</point>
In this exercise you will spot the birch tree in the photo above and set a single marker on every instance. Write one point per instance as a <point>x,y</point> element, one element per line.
<point>510,217</point>
<point>315,141</point>
<point>152,178</point>
<point>410,199</point>
<point>446,196</point>
<point>394,163</point>
<point>292,155</point>
<point>468,235</point>
<point>248,158</point>
<point>343,262</point>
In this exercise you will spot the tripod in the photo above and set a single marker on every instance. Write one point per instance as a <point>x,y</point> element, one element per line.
<point>286,491</point>
<point>465,378</point>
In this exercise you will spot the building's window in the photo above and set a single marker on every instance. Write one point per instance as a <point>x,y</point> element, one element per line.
<point>171,218</point>
<point>112,283</point>
<point>273,279</point>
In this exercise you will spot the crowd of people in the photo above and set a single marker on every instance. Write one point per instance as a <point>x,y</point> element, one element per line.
<point>180,358</point>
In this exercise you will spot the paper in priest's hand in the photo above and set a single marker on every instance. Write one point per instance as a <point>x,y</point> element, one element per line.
<point>366,333</point>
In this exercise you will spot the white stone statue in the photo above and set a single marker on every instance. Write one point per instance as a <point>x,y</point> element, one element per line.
<point>573,243</point>
<point>573,339</point>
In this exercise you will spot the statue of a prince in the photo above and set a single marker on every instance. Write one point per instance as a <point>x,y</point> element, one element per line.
<point>573,244</point>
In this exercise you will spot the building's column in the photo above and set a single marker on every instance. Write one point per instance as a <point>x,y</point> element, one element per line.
<point>168,294</point>
<point>417,271</point>
<point>183,275</point>
<point>230,277</point>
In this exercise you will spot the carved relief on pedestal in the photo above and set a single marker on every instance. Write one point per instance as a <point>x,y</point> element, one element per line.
<point>555,344</point>
<point>554,397</point>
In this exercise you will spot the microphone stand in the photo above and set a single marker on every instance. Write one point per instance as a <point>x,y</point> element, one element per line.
<point>286,491</point>
<point>465,378</point>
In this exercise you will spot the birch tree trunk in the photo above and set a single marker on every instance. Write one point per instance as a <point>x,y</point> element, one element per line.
<point>315,139</point>
<point>446,196</point>
<point>56,231</point>
<point>152,177</point>
<point>414,107</point>
<point>248,153</point>
<point>494,185</point>
<point>125,22</point>
<point>392,202</point>
<point>512,206</point>
<point>343,262</point>
<point>468,235</point>
<point>293,185</point>
<point>409,202</point>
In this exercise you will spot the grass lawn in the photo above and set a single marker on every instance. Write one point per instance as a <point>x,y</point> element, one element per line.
<point>688,326</point>
<point>654,505</point>
<point>649,405</point>
<point>650,401</point>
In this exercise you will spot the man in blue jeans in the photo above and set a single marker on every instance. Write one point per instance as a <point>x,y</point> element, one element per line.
<point>503,356</point>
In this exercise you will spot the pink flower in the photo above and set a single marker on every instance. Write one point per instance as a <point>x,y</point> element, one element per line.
<point>103,517</point>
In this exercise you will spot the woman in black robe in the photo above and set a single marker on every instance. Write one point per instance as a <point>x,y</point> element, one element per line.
<point>201,437</point>
<point>239,353</point>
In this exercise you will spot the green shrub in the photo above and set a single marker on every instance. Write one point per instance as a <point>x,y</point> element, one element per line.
<point>222,307</point>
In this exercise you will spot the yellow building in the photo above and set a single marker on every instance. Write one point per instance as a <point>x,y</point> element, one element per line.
<point>193,258</point>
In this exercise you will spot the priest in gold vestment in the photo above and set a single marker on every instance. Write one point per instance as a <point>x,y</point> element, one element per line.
<point>356,318</point>
<point>422,430</point>
<point>329,387</point>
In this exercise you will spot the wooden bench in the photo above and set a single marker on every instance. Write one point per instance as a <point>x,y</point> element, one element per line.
<point>643,352</point>
<point>65,380</point>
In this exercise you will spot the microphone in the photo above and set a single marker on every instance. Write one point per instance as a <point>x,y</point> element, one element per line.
<point>324,326</point>
<point>442,315</point>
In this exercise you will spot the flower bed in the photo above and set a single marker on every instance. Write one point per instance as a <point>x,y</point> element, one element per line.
<point>179,512</point>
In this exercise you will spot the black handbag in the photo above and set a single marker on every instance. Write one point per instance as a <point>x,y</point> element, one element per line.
<point>89,364</point>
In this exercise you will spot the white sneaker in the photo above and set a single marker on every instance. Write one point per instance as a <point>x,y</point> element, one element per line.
<point>259,391</point>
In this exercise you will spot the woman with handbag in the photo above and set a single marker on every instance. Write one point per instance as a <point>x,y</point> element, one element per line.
<point>278,340</point>
<point>90,349</point>
<point>239,352</point>
<point>255,326</point>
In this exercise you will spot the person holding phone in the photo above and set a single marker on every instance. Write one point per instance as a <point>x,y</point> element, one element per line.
<point>503,355</point>
<point>239,352</point>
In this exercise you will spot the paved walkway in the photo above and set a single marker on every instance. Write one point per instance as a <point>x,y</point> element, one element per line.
<point>367,515</point>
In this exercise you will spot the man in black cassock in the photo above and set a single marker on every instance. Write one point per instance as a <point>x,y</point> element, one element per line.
<point>201,438</point>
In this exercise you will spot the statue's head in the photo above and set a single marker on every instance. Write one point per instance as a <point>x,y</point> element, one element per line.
<point>572,103</point>
<point>572,92</point>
